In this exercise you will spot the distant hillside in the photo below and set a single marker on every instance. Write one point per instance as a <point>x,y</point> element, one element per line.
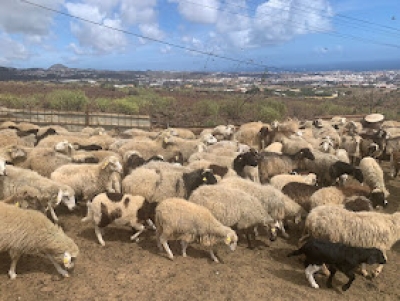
<point>56,67</point>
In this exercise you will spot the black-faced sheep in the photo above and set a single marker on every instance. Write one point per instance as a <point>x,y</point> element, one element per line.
<point>337,256</point>
<point>30,232</point>
<point>357,229</point>
<point>178,219</point>
<point>122,209</point>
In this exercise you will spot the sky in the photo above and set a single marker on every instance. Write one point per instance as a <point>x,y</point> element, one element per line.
<point>199,35</point>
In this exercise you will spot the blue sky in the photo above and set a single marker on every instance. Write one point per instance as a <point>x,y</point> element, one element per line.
<point>239,34</point>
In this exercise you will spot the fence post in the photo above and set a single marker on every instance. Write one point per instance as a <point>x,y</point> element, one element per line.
<point>87,123</point>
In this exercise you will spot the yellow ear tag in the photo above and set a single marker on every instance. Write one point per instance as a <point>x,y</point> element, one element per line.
<point>105,165</point>
<point>204,179</point>
<point>273,230</point>
<point>227,240</point>
<point>66,260</point>
<point>17,204</point>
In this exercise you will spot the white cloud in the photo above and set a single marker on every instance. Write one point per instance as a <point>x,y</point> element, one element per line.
<point>12,50</point>
<point>20,17</point>
<point>205,11</point>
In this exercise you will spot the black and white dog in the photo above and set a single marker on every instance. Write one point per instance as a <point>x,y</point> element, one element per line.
<point>336,256</point>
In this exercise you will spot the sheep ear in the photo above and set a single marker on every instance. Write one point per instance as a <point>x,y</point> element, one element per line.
<point>67,258</point>
<point>59,196</point>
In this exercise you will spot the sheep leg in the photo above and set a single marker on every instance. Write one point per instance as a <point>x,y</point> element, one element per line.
<point>282,227</point>
<point>139,228</point>
<point>150,224</point>
<point>164,243</point>
<point>53,215</point>
<point>97,230</point>
<point>60,270</point>
<point>14,260</point>
<point>310,270</point>
<point>214,258</point>
<point>184,245</point>
<point>250,238</point>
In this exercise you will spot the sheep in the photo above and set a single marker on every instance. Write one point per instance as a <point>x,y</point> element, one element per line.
<point>234,208</point>
<point>277,205</point>
<point>27,197</point>
<point>337,256</point>
<point>328,168</point>
<point>271,164</point>
<point>337,196</point>
<point>123,209</point>
<point>357,229</point>
<point>219,171</point>
<point>44,160</point>
<point>88,180</point>
<point>373,175</point>
<point>253,134</point>
<point>351,143</point>
<point>223,132</point>
<point>358,203</point>
<point>279,181</point>
<point>181,220</point>
<point>9,137</point>
<point>13,154</point>
<point>274,147</point>
<point>246,165</point>
<point>184,133</point>
<point>394,163</point>
<point>33,233</point>
<point>52,193</point>
<point>158,184</point>
<point>300,193</point>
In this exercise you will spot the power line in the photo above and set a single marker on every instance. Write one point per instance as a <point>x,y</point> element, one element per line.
<point>249,62</point>
<point>317,29</point>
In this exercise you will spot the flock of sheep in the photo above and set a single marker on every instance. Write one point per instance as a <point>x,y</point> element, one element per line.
<point>217,187</point>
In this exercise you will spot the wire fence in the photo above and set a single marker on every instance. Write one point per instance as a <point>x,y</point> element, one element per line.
<point>75,120</point>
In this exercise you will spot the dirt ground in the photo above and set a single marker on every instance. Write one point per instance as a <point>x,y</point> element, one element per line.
<point>123,270</point>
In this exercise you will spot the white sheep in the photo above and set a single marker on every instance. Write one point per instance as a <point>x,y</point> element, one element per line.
<point>279,206</point>
<point>88,180</point>
<point>14,154</point>
<point>30,232</point>
<point>178,219</point>
<point>233,207</point>
<point>357,229</point>
<point>279,181</point>
<point>121,209</point>
<point>52,193</point>
<point>373,175</point>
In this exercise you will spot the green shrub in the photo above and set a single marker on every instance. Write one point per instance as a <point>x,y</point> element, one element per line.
<point>67,100</point>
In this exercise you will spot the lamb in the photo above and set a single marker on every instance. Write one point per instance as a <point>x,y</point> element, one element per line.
<point>123,209</point>
<point>88,180</point>
<point>51,194</point>
<point>272,164</point>
<point>357,229</point>
<point>373,175</point>
<point>33,233</point>
<point>159,180</point>
<point>337,256</point>
<point>337,195</point>
<point>233,207</point>
<point>279,181</point>
<point>276,204</point>
<point>181,220</point>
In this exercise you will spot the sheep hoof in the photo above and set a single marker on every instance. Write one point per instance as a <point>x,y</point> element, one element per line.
<point>12,275</point>
<point>315,285</point>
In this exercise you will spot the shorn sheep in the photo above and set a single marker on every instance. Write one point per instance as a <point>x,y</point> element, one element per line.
<point>337,256</point>
<point>88,180</point>
<point>30,232</point>
<point>357,229</point>
<point>178,219</point>
<point>121,209</point>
